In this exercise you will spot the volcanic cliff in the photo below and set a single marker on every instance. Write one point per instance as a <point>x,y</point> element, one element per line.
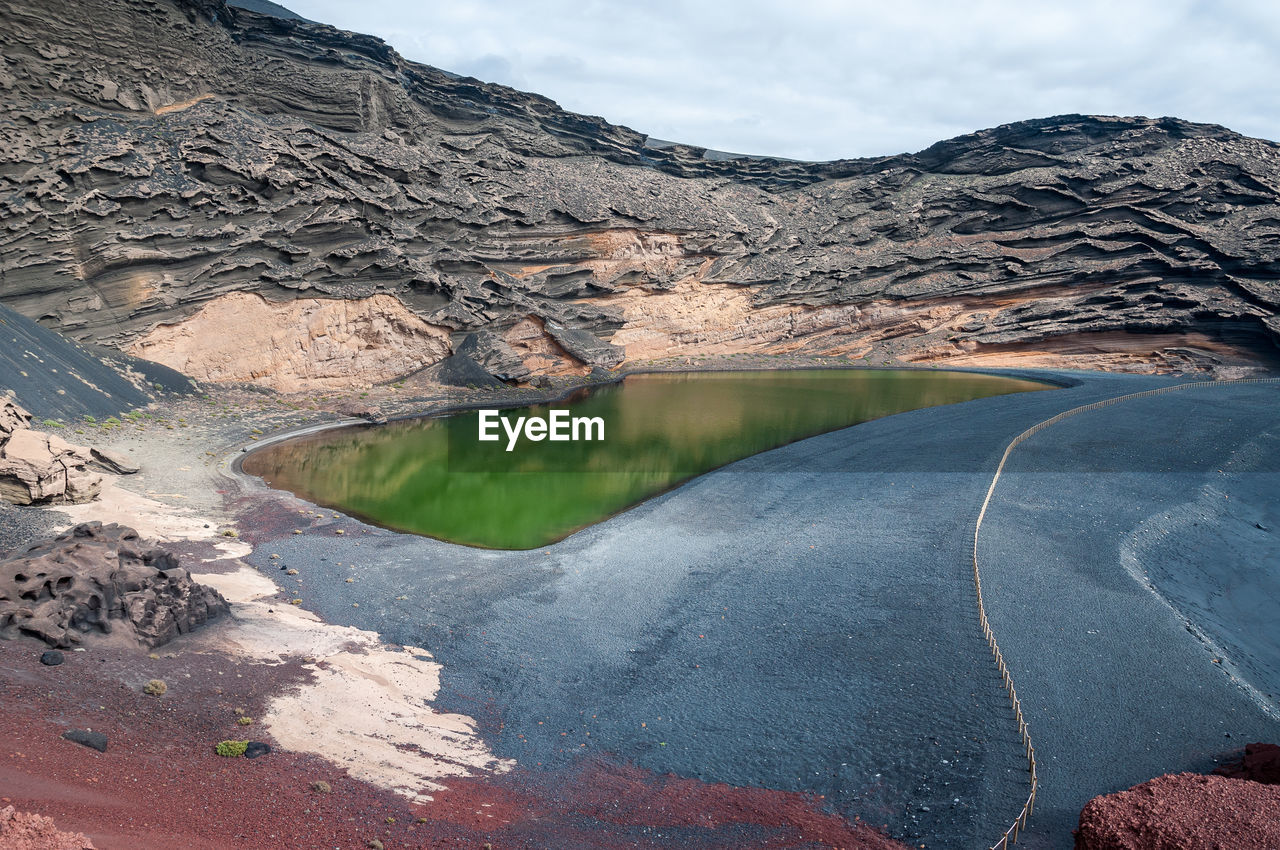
<point>248,197</point>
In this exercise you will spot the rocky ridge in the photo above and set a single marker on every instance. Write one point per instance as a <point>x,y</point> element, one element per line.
<point>162,156</point>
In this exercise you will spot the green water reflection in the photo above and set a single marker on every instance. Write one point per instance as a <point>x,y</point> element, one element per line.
<point>434,476</point>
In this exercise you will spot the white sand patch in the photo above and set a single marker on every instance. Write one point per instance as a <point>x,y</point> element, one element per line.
<point>368,709</point>
<point>152,519</point>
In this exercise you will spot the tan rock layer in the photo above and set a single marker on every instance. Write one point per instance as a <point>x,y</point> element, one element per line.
<point>297,345</point>
<point>41,468</point>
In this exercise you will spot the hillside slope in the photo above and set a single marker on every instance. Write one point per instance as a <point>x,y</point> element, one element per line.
<point>160,156</point>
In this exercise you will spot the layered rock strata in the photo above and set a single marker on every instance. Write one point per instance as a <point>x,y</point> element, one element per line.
<point>160,156</point>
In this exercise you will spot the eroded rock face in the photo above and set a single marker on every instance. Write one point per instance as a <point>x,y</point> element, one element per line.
<point>300,344</point>
<point>164,153</point>
<point>1183,812</point>
<point>101,582</point>
<point>40,468</point>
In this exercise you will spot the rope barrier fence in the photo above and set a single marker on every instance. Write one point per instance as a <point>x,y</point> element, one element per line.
<point>1019,824</point>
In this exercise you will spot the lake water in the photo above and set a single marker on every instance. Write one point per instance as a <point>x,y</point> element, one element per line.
<point>435,477</point>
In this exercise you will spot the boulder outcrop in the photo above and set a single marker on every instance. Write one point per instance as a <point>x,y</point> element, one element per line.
<point>160,155</point>
<point>101,582</point>
<point>1183,812</point>
<point>40,468</point>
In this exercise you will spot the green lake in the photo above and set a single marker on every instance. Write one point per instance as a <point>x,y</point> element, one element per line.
<point>435,477</point>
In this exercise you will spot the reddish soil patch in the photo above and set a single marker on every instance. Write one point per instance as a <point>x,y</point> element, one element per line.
<point>159,785</point>
<point>602,804</point>
<point>25,831</point>
<point>1184,812</point>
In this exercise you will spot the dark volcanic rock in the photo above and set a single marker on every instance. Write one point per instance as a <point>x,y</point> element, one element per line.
<point>255,749</point>
<point>59,379</point>
<point>1183,812</point>
<point>87,737</point>
<point>459,370</point>
<point>1260,763</point>
<point>51,658</point>
<point>98,580</point>
<point>160,154</point>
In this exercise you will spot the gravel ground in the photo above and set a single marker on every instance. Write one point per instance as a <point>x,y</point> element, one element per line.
<point>22,525</point>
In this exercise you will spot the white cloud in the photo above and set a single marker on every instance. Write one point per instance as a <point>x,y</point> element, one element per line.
<point>823,80</point>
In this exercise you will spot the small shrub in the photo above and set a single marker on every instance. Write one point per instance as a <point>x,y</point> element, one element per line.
<point>53,423</point>
<point>231,749</point>
<point>155,688</point>
<point>245,721</point>
<point>321,787</point>
<point>91,420</point>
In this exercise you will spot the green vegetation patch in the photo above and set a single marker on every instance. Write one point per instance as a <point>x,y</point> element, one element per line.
<point>231,749</point>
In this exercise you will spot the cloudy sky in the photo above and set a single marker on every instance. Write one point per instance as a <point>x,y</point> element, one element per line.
<point>824,79</point>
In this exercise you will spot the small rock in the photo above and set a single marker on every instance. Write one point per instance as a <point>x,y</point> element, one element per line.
<point>114,462</point>
<point>52,658</point>
<point>87,737</point>
<point>255,749</point>
<point>291,572</point>
<point>375,844</point>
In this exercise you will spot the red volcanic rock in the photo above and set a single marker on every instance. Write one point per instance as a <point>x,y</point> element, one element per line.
<point>1261,763</point>
<point>24,831</point>
<point>1183,812</point>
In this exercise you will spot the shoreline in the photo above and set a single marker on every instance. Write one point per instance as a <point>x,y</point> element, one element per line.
<point>233,463</point>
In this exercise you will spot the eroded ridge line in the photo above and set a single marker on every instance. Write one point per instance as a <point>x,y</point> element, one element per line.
<point>1020,822</point>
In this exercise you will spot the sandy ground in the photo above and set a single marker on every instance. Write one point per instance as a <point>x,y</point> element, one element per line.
<point>800,621</point>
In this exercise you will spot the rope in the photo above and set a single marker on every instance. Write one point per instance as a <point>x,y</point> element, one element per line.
<point>1020,822</point>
